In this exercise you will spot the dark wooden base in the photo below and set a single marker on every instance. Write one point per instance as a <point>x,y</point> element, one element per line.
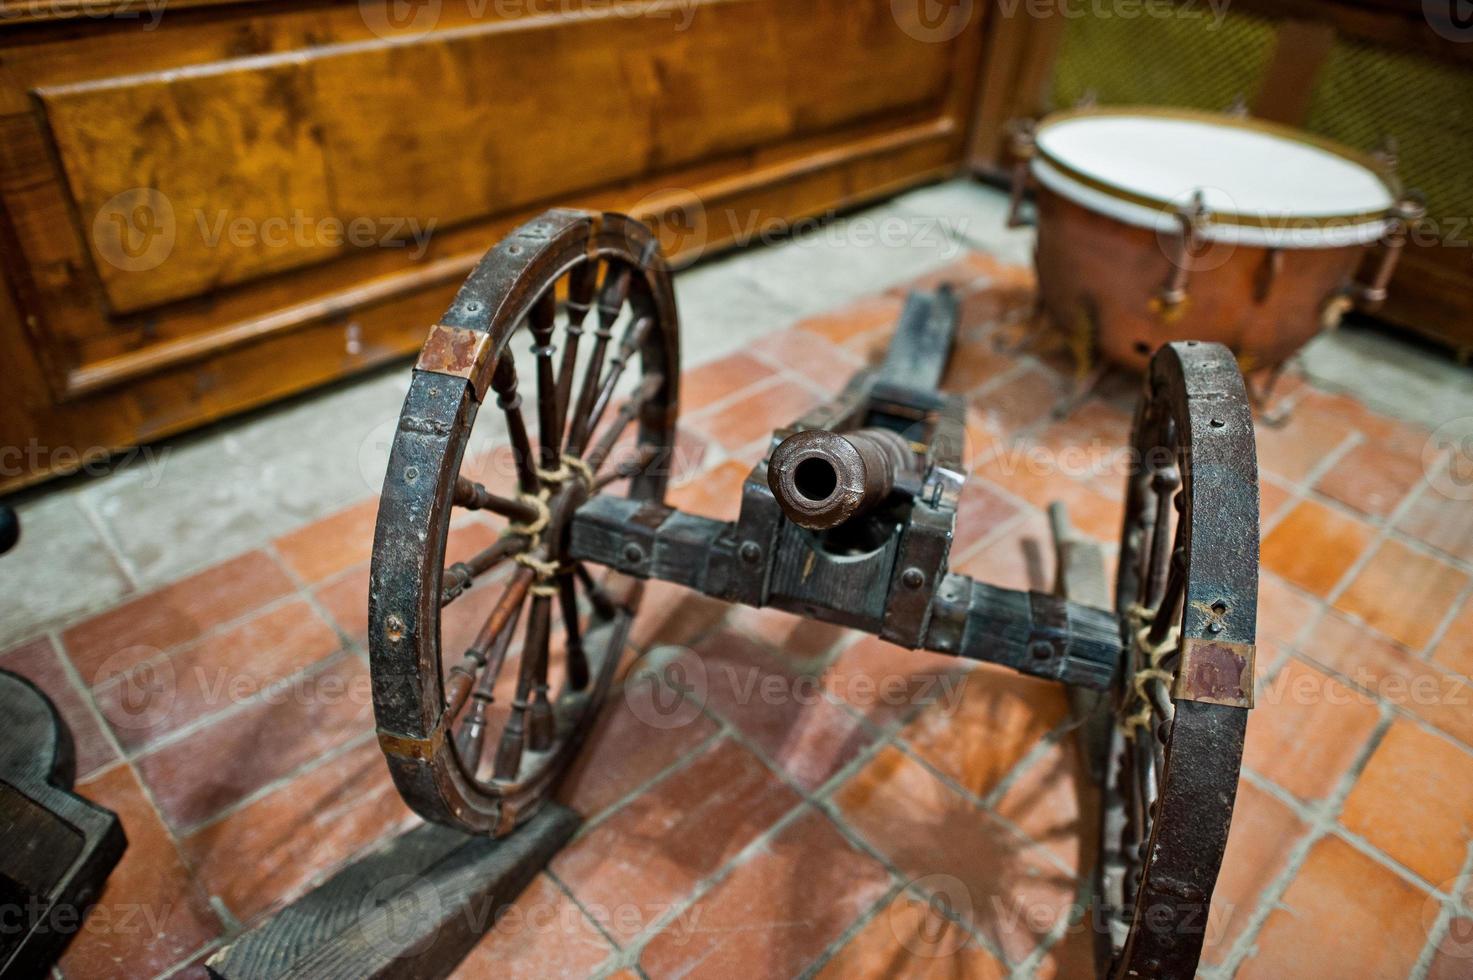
<point>58,848</point>
<point>412,909</point>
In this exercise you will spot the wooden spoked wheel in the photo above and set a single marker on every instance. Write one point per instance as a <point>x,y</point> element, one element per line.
<point>1187,594</point>
<point>575,311</point>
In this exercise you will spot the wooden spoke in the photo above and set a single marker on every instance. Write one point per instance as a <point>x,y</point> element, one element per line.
<point>603,603</point>
<point>629,468</point>
<point>610,303</point>
<point>1167,611</point>
<point>577,659</point>
<point>582,282</point>
<point>1163,484</point>
<point>470,739</point>
<point>472,496</point>
<point>633,337</point>
<point>526,718</point>
<point>504,381</point>
<point>502,618</point>
<point>648,388</point>
<point>459,577</point>
<point>541,321</point>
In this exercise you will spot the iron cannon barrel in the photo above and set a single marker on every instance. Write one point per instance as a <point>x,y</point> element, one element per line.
<point>822,479</point>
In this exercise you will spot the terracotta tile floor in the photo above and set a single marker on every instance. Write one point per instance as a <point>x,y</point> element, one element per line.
<point>819,827</point>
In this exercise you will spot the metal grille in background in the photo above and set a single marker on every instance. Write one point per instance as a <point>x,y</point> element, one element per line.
<point>1182,60</point>
<point>1365,93</point>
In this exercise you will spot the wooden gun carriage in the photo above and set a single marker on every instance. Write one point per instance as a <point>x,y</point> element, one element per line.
<point>848,519</point>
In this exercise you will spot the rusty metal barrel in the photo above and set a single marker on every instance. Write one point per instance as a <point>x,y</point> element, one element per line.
<point>822,479</point>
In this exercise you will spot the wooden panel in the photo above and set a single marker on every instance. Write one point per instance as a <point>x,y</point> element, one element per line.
<point>404,136</point>
<point>162,165</point>
<point>241,113</point>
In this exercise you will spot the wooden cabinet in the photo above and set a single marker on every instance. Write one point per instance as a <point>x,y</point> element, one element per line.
<point>226,203</point>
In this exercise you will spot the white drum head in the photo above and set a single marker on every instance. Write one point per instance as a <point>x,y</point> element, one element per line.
<point>1262,184</point>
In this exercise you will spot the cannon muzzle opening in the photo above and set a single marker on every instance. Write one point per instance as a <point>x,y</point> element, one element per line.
<point>822,479</point>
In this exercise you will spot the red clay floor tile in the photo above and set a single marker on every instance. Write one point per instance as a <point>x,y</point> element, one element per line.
<point>1307,730</point>
<point>887,683</point>
<point>1451,960</point>
<point>542,935</point>
<point>1301,445</point>
<point>163,695</point>
<point>714,493</point>
<point>910,938</point>
<point>123,636</point>
<point>808,356</point>
<point>1054,802</point>
<point>1313,546</point>
<point>1372,479</point>
<point>1403,593</point>
<point>245,750</point>
<point>1373,663</point>
<point>266,853</point>
<point>1414,801</point>
<point>623,752</point>
<point>755,415</point>
<point>652,853</point>
<point>345,598</point>
<point>720,379</point>
<point>849,325</point>
<point>1455,650</point>
<point>792,638</point>
<point>151,915</point>
<point>947,845</point>
<point>1343,915</point>
<point>782,711</point>
<point>978,737</point>
<point>1445,522</point>
<point>775,914</point>
<point>331,545</point>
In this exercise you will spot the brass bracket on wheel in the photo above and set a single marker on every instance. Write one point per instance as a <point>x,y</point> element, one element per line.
<point>459,352</point>
<point>1215,672</point>
<point>407,747</point>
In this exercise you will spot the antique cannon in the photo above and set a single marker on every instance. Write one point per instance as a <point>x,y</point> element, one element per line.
<point>849,520</point>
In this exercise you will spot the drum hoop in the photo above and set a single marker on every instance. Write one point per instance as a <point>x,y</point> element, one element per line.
<point>1380,171</point>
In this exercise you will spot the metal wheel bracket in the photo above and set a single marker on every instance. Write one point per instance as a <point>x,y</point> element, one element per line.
<point>459,352</point>
<point>1215,672</point>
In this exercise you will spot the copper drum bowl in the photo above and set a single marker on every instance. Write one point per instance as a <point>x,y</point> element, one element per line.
<point>1157,225</point>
